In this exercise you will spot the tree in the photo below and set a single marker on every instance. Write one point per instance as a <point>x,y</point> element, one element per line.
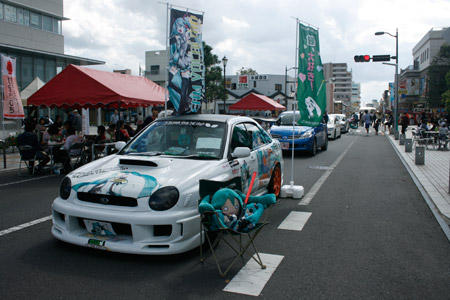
<point>213,75</point>
<point>437,85</point>
<point>246,71</point>
<point>446,94</point>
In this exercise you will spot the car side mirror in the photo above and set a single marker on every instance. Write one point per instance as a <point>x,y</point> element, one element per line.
<point>119,145</point>
<point>241,152</point>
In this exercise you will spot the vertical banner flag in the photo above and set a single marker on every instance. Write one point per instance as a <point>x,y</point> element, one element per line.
<point>311,91</point>
<point>186,62</point>
<point>12,104</point>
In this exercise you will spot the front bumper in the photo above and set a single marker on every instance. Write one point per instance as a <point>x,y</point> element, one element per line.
<point>136,232</point>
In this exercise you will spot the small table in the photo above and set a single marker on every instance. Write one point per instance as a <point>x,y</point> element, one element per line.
<point>106,145</point>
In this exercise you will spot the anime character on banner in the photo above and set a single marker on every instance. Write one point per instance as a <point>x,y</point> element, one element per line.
<point>186,68</point>
<point>311,94</point>
<point>12,103</point>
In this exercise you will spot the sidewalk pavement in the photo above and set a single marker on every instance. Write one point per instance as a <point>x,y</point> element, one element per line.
<point>432,178</point>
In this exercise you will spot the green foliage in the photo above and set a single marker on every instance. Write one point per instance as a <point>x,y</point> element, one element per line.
<point>213,76</point>
<point>446,94</point>
<point>437,84</point>
<point>246,71</point>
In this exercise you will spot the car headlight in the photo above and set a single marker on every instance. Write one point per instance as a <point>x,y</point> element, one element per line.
<point>65,187</point>
<point>164,198</point>
<point>306,135</point>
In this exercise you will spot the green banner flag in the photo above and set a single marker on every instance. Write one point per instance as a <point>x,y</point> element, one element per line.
<point>311,90</point>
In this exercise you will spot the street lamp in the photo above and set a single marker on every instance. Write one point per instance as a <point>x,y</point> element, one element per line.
<point>396,76</point>
<point>224,61</point>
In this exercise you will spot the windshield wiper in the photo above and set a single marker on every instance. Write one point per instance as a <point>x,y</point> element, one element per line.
<point>150,153</point>
<point>200,157</point>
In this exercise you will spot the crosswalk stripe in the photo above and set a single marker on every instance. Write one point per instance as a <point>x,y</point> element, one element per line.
<point>296,220</point>
<point>251,279</point>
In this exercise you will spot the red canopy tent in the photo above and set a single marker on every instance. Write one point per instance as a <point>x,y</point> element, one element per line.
<point>84,87</point>
<point>256,102</point>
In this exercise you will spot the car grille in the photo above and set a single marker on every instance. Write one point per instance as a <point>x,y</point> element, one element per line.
<point>285,137</point>
<point>107,199</point>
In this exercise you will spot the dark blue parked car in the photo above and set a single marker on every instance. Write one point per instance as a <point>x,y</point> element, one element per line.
<point>305,138</point>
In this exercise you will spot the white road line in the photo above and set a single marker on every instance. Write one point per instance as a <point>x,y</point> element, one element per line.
<point>310,195</point>
<point>295,220</point>
<point>26,180</point>
<point>25,225</point>
<point>251,279</point>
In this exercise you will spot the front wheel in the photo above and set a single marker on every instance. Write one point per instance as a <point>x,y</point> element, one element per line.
<point>275,181</point>
<point>313,150</point>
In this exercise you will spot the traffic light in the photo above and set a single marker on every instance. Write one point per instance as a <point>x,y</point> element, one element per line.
<point>362,58</point>
<point>381,58</point>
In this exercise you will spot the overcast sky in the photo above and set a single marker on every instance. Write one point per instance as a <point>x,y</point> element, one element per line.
<point>258,34</point>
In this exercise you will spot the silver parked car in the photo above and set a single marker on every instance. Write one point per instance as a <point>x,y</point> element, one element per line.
<point>343,120</point>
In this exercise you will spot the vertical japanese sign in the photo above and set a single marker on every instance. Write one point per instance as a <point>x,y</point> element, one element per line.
<point>12,104</point>
<point>186,62</point>
<point>311,92</point>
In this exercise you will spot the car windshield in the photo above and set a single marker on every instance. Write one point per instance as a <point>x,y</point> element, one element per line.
<point>331,120</point>
<point>286,119</point>
<point>181,139</point>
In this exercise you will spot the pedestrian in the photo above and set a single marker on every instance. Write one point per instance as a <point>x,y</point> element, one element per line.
<point>325,118</point>
<point>115,117</point>
<point>404,122</point>
<point>153,117</point>
<point>28,138</point>
<point>376,125</point>
<point>77,123</point>
<point>366,119</point>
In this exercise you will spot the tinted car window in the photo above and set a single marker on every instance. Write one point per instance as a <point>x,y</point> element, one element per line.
<point>240,137</point>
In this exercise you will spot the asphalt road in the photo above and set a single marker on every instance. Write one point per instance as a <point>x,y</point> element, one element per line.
<point>370,236</point>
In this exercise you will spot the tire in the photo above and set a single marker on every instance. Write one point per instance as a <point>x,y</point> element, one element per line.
<point>275,181</point>
<point>334,135</point>
<point>313,150</point>
<point>325,146</point>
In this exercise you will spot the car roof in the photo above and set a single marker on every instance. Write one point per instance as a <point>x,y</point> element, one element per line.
<point>207,117</point>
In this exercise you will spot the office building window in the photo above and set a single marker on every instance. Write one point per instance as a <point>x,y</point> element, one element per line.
<point>254,83</point>
<point>278,87</point>
<point>233,86</point>
<point>154,70</point>
<point>10,13</point>
<point>56,27</point>
<point>36,20</point>
<point>39,68</point>
<point>27,70</point>
<point>50,69</point>
<point>47,23</point>
<point>1,10</point>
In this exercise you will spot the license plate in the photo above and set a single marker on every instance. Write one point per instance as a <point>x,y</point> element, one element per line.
<point>96,242</point>
<point>99,228</point>
<point>284,146</point>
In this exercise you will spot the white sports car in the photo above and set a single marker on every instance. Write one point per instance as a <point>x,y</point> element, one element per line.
<point>144,199</point>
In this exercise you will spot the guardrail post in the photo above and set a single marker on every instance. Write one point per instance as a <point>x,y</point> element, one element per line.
<point>408,145</point>
<point>402,139</point>
<point>420,155</point>
<point>396,135</point>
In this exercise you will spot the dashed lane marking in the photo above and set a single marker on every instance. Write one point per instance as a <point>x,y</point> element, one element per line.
<point>315,188</point>
<point>25,225</point>
<point>251,279</point>
<point>295,220</point>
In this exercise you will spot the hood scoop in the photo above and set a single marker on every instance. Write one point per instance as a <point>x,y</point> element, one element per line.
<point>137,162</point>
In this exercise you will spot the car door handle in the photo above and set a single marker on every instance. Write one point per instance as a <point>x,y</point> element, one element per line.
<point>252,157</point>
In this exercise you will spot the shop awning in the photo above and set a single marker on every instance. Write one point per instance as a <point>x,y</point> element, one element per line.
<point>256,102</point>
<point>84,87</point>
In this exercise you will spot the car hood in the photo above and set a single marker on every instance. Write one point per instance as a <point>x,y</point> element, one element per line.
<point>138,177</point>
<point>287,129</point>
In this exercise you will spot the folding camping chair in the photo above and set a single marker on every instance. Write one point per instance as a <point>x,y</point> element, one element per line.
<point>239,242</point>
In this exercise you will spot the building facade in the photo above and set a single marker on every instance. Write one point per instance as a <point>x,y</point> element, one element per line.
<point>156,66</point>
<point>356,97</point>
<point>31,32</point>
